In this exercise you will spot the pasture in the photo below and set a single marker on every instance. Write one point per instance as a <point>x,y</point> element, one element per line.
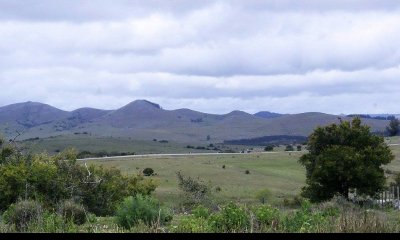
<point>278,172</point>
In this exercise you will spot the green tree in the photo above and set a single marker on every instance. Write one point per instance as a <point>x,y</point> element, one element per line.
<point>344,157</point>
<point>394,127</point>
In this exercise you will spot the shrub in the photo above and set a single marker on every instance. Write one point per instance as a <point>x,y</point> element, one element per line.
<point>201,212</point>
<point>148,172</point>
<point>299,147</point>
<point>223,166</point>
<point>71,211</point>
<point>294,201</point>
<point>305,220</point>
<point>289,148</point>
<point>267,217</point>
<point>52,179</point>
<point>232,218</point>
<point>22,213</point>
<point>146,209</point>
<point>247,172</point>
<point>195,192</point>
<point>269,148</point>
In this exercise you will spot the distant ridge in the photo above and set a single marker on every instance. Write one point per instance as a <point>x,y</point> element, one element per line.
<point>145,120</point>
<point>267,114</point>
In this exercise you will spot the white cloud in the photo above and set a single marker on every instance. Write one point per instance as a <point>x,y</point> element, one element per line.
<point>214,56</point>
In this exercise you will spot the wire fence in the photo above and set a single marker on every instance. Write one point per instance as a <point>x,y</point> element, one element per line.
<point>390,197</point>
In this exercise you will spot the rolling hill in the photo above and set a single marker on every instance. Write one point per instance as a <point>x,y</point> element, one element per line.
<point>144,120</point>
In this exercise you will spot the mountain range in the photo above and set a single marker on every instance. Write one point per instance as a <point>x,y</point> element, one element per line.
<point>144,120</point>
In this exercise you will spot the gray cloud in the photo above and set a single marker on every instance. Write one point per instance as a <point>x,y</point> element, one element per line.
<point>212,56</point>
<point>88,10</point>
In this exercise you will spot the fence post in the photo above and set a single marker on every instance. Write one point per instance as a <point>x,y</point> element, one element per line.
<point>385,196</point>
<point>398,197</point>
<point>393,194</point>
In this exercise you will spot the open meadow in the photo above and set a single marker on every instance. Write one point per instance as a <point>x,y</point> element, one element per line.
<point>278,172</point>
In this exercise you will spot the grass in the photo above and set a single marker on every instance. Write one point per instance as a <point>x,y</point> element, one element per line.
<point>278,172</point>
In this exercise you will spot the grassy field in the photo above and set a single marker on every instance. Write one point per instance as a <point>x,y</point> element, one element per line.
<point>279,172</point>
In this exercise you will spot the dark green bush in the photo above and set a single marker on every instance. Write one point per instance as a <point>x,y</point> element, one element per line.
<point>22,213</point>
<point>247,172</point>
<point>72,211</point>
<point>269,148</point>
<point>146,209</point>
<point>289,148</point>
<point>148,172</point>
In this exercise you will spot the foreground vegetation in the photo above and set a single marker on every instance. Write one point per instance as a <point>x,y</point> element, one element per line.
<point>334,216</point>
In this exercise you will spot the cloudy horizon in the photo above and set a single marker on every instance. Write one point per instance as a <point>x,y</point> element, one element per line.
<point>337,57</point>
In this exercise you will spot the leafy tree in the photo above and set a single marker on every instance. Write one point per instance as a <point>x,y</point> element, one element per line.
<point>344,157</point>
<point>394,127</point>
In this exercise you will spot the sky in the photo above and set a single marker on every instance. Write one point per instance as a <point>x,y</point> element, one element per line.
<point>286,56</point>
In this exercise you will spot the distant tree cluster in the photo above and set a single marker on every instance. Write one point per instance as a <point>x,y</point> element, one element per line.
<point>394,127</point>
<point>289,148</point>
<point>391,117</point>
<point>269,148</point>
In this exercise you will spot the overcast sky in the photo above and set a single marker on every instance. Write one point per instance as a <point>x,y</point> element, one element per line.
<point>283,56</point>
